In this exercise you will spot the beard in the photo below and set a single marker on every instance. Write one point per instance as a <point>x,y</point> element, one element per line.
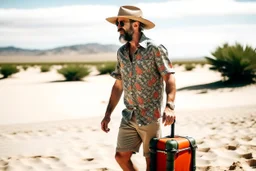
<point>127,36</point>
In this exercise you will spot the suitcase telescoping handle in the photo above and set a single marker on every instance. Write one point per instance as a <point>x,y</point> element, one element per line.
<point>172,129</point>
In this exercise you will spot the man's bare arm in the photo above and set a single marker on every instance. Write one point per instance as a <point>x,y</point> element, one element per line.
<point>116,93</point>
<point>170,89</point>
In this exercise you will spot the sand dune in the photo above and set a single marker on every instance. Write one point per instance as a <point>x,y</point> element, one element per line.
<point>47,124</point>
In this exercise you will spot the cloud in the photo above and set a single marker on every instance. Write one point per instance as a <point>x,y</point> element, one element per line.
<point>52,27</point>
<point>84,15</point>
<point>182,8</point>
<point>200,41</point>
<point>45,37</point>
<point>195,41</point>
<point>61,16</point>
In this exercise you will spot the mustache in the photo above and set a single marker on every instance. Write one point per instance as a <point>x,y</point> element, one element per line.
<point>120,29</point>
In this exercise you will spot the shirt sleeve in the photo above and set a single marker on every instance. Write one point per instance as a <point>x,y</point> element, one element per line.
<point>162,61</point>
<point>116,73</point>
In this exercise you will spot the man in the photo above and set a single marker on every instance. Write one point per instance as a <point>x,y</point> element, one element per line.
<point>142,68</point>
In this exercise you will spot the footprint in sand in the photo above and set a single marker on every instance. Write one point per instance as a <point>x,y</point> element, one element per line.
<point>94,129</point>
<point>233,123</point>
<point>34,157</point>
<point>203,168</point>
<point>247,155</point>
<point>247,138</point>
<point>200,141</point>
<point>88,159</point>
<point>203,162</point>
<point>3,163</point>
<point>76,138</point>
<point>213,127</point>
<point>210,156</point>
<point>235,166</point>
<point>204,149</point>
<point>252,163</point>
<point>79,130</point>
<point>46,157</point>
<point>31,162</point>
<point>102,169</point>
<point>6,136</point>
<point>244,152</point>
<point>231,147</point>
<point>24,134</point>
<point>63,129</point>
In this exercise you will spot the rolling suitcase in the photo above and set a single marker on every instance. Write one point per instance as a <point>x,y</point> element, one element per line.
<point>173,153</point>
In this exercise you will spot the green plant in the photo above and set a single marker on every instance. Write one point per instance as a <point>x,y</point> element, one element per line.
<point>189,67</point>
<point>74,72</point>
<point>236,63</point>
<point>202,64</point>
<point>25,67</point>
<point>45,68</point>
<point>8,70</point>
<point>106,68</point>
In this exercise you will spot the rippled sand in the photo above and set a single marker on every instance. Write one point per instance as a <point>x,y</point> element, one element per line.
<point>48,124</point>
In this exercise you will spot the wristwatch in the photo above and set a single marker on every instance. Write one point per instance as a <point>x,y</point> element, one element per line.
<point>171,105</point>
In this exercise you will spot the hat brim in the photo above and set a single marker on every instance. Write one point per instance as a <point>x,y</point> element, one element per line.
<point>148,24</point>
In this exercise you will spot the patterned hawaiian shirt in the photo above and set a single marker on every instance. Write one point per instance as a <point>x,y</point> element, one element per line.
<point>142,80</point>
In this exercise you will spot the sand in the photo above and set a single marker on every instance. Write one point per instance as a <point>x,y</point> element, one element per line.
<point>49,124</point>
<point>63,58</point>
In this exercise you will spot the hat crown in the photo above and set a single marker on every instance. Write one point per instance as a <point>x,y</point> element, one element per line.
<point>130,11</point>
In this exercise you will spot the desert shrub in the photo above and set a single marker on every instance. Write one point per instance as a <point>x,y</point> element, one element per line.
<point>106,68</point>
<point>8,70</point>
<point>189,67</point>
<point>25,67</point>
<point>236,63</point>
<point>74,72</point>
<point>45,68</point>
<point>202,64</point>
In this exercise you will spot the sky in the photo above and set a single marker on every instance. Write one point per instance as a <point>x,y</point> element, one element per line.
<point>187,28</point>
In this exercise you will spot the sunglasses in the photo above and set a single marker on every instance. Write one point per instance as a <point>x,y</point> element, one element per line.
<point>120,22</point>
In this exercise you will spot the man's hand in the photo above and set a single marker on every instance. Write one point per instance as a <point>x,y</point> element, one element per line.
<point>104,124</point>
<point>168,116</point>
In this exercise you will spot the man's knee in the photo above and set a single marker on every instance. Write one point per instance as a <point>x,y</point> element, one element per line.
<point>123,156</point>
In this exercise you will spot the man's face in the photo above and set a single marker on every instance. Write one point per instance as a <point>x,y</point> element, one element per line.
<point>125,29</point>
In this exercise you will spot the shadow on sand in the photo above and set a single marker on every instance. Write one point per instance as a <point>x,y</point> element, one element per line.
<point>64,81</point>
<point>215,85</point>
<point>2,78</point>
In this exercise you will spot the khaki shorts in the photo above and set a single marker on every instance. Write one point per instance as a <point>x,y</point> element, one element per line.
<point>131,136</point>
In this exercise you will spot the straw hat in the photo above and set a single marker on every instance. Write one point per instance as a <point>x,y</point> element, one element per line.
<point>133,13</point>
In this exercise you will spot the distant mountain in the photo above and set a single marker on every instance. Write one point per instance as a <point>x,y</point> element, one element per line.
<point>90,48</point>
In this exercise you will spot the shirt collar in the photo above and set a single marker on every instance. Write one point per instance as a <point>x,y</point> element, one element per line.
<point>143,41</point>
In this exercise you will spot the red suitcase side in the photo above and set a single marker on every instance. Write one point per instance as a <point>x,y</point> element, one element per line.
<point>168,154</point>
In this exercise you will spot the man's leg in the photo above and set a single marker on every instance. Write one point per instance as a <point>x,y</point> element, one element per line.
<point>148,163</point>
<point>124,160</point>
<point>147,133</point>
<point>128,143</point>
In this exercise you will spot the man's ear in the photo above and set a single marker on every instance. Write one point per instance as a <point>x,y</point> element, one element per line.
<point>136,25</point>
